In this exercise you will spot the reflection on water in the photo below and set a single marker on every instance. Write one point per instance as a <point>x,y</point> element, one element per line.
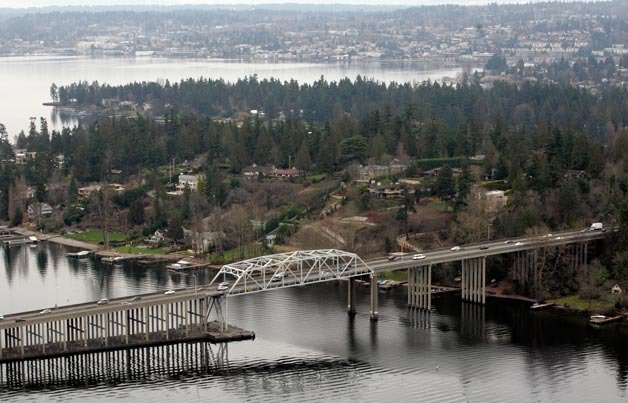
<point>308,349</point>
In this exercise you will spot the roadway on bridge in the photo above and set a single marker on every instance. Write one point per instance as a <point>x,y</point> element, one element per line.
<point>382,264</point>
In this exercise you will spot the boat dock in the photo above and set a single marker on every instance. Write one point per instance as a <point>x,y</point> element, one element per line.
<point>602,320</point>
<point>540,307</point>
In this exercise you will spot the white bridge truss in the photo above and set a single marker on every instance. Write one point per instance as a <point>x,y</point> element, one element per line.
<point>290,269</point>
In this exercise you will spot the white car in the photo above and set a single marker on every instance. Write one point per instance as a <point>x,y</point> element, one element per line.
<point>169,292</point>
<point>278,276</point>
<point>45,311</point>
<point>519,244</point>
<point>224,286</point>
<point>418,256</point>
<point>558,238</point>
<point>1,317</point>
<point>456,248</point>
<point>103,301</point>
<point>125,303</point>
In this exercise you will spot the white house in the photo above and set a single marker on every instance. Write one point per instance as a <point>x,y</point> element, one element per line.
<point>190,181</point>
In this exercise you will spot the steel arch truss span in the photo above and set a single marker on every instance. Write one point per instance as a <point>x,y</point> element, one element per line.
<point>290,269</point>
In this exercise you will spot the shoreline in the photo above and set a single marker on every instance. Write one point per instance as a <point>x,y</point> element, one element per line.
<point>100,251</point>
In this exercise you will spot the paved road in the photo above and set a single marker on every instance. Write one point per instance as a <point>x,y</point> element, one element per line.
<point>379,265</point>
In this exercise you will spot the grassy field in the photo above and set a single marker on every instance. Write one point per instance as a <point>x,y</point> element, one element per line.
<point>575,301</point>
<point>438,205</point>
<point>141,251</point>
<point>95,236</point>
<point>399,275</point>
<point>233,255</point>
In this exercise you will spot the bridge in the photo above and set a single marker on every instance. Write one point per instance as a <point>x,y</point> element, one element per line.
<point>186,315</point>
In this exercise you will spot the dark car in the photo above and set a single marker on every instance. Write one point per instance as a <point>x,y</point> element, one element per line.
<point>20,319</point>
<point>393,257</point>
<point>483,247</point>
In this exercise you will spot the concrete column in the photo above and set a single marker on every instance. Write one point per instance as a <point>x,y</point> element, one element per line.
<point>374,298</point>
<point>351,296</point>
<point>167,307</point>
<point>429,287</point>
<point>409,270</point>
<point>22,335</point>
<point>146,321</point>
<point>84,321</point>
<point>463,282</point>
<point>483,281</point>
<point>412,288</point>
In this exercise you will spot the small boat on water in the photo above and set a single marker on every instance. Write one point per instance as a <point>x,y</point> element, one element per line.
<point>112,259</point>
<point>180,265</point>
<point>79,255</point>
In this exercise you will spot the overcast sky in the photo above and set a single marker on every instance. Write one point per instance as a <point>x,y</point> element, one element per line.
<point>41,3</point>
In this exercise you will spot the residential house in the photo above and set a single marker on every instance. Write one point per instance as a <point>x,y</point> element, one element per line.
<point>496,199</point>
<point>38,210</point>
<point>190,181</point>
<point>285,173</point>
<point>386,191</point>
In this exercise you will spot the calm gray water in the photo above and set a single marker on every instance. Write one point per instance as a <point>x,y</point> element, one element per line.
<point>25,81</point>
<point>308,349</point>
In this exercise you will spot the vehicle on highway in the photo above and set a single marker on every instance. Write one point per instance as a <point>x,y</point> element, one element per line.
<point>508,241</point>
<point>136,298</point>
<point>45,311</point>
<point>125,303</point>
<point>596,226</point>
<point>519,244</point>
<point>200,289</point>
<point>547,236</point>
<point>278,276</point>
<point>559,238</point>
<point>1,317</point>
<point>223,286</point>
<point>103,301</point>
<point>20,319</point>
<point>484,247</point>
<point>418,256</point>
<point>169,292</point>
<point>393,257</point>
<point>456,248</point>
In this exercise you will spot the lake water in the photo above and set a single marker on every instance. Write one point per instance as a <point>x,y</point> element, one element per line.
<point>25,81</point>
<point>308,349</point>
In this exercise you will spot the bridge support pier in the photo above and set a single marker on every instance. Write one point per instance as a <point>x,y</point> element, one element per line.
<point>474,280</point>
<point>374,298</point>
<point>419,287</point>
<point>351,296</point>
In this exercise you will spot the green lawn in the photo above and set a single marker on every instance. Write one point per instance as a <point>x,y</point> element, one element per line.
<point>399,275</point>
<point>95,236</point>
<point>141,251</point>
<point>233,255</point>
<point>438,205</point>
<point>575,301</point>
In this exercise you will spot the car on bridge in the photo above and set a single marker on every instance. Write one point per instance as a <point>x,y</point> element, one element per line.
<point>278,276</point>
<point>392,258</point>
<point>136,298</point>
<point>484,247</point>
<point>169,292</point>
<point>103,301</point>
<point>519,244</point>
<point>456,248</point>
<point>1,317</point>
<point>45,311</point>
<point>418,256</point>
<point>223,286</point>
